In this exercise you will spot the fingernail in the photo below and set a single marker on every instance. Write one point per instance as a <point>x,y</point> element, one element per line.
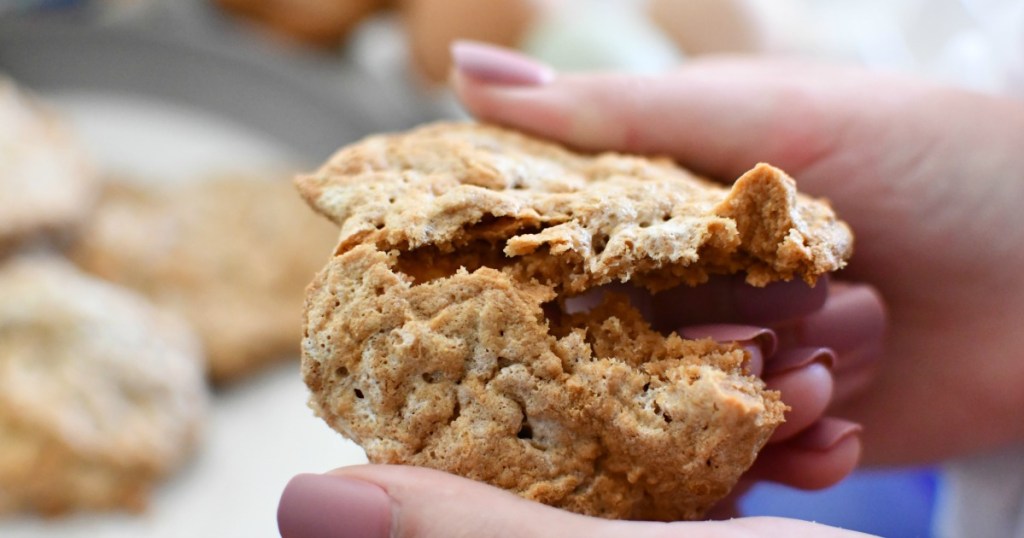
<point>497,65</point>
<point>779,301</point>
<point>826,434</point>
<point>788,360</point>
<point>852,317</point>
<point>324,505</point>
<point>728,332</point>
<point>755,366</point>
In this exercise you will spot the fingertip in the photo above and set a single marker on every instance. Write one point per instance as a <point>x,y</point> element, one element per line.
<point>807,391</point>
<point>494,65</point>
<point>853,316</point>
<point>428,502</point>
<point>818,457</point>
<point>331,505</point>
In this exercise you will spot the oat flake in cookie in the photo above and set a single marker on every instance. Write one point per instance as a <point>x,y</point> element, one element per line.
<point>438,336</point>
<point>101,394</point>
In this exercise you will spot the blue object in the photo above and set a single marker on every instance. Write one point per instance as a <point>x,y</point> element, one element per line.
<point>25,5</point>
<point>894,504</point>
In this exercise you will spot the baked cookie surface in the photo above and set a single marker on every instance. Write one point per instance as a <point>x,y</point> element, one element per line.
<point>231,254</point>
<point>45,185</point>
<point>101,394</point>
<point>439,336</point>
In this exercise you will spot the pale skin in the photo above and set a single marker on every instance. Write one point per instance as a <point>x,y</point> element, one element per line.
<point>928,177</point>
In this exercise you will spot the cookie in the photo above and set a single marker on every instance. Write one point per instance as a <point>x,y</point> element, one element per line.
<point>439,336</point>
<point>321,23</point>
<point>45,185</point>
<point>101,394</point>
<point>231,254</point>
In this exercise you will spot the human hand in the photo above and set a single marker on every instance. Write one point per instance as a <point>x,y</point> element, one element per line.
<point>923,174</point>
<point>408,502</point>
<point>807,451</point>
<point>810,450</point>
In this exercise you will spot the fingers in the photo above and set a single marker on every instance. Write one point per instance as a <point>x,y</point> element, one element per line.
<point>852,317</point>
<point>315,505</point>
<point>807,390</point>
<point>729,299</point>
<point>801,375</point>
<point>375,501</point>
<point>719,117</point>
<point>758,341</point>
<point>818,457</point>
<point>852,322</point>
<point>395,501</point>
<point>808,450</point>
<point>778,302</point>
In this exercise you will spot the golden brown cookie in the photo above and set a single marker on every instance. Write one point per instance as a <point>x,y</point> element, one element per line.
<point>101,394</point>
<point>438,334</point>
<point>322,23</point>
<point>231,254</point>
<point>45,185</point>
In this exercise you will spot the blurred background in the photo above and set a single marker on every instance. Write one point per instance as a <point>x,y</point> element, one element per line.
<point>163,93</point>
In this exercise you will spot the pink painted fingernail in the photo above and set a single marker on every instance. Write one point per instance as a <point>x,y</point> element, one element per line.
<point>826,434</point>
<point>497,65</point>
<point>852,316</point>
<point>325,505</point>
<point>788,360</point>
<point>727,332</point>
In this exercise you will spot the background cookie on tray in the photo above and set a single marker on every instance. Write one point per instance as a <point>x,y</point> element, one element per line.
<point>101,394</point>
<point>45,184</point>
<point>232,254</point>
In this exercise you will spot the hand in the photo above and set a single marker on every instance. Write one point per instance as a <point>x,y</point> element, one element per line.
<point>406,502</point>
<point>928,177</point>
<point>810,450</point>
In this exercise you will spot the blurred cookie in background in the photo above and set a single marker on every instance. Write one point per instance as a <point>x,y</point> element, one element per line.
<point>101,394</point>
<point>232,254</point>
<point>45,185</point>
<point>321,23</point>
<point>712,26</point>
<point>431,26</point>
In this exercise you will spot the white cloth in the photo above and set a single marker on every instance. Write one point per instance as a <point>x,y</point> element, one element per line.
<point>982,497</point>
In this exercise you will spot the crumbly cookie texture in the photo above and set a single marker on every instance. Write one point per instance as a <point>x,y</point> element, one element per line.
<point>45,185</point>
<point>438,335</point>
<point>101,394</point>
<point>232,254</point>
<point>581,220</point>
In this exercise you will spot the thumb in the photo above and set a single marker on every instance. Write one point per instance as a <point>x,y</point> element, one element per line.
<point>719,117</point>
<point>380,501</point>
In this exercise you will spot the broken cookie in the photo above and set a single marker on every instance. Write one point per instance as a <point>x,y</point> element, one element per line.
<point>438,334</point>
